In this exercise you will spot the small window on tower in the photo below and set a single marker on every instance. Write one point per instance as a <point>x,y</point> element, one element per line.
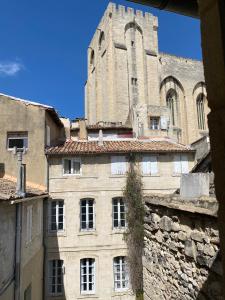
<point>134,81</point>
<point>154,123</point>
<point>132,43</point>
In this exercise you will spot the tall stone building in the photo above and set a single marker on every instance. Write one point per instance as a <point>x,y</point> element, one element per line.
<point>130,81</point>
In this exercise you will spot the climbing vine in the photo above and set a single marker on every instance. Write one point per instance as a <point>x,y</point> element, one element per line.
<point>134,235</point>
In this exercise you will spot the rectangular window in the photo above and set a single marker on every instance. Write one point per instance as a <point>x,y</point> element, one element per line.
<point>87,214</point>
<point>29,220</point>
<point>56,215</point>
<point>118,165</point>
<point>149,165</point>
<point>154,123</point>
<point>17,139</point>
<point>120,273</point>
<point>119,213</point>
<point>87,276</point>
<point>72,166</point>
<point>56,271</point>
<point>181,164</point>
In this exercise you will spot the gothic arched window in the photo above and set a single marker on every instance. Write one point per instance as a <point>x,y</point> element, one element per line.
<point>171,103</point>
<point>201,111</point>
<point>101,40</point>
<point>92,57</point>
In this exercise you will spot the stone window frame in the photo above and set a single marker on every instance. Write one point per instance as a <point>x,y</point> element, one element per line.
<point>17,135</point>
<point>120,270</point>
<point>154,126</point>
<point>87,207</point>
<point>120,220</point>
<point>73,160</point>
<point>58,277</point>
<point>57,216</point>
<point>200,106</point>
<point>88,263</point>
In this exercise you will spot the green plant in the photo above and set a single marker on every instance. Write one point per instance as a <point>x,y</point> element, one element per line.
<point>134,235</point>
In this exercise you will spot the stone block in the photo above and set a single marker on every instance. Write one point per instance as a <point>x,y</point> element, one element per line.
<point>190,249</point>
<point>165,223</point>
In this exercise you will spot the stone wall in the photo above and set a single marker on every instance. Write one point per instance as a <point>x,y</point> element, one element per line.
<point>181,256</point>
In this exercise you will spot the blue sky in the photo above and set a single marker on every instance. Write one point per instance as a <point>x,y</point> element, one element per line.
<point>44,45</point>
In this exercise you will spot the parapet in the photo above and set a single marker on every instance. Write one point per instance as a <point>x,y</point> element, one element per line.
<point>122,11</point>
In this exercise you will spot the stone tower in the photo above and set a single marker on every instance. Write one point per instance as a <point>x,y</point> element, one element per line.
<point>122,61</point>
<point>130,82</point>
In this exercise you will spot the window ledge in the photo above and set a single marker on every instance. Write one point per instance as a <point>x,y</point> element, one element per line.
<point>118,231</point>
<point>150,175</point>
<point>93,232</point>
<point>121,292</point>
<point>72,175</point>
<point>89,296</point>
<point>56,233</point>
<point>118,176</point>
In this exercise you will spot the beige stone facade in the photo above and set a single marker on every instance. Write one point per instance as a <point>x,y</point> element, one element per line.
<point>104,242</point>
<point>27,120</point>
<point>130,81</point>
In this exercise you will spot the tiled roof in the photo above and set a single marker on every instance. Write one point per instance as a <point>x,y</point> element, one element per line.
<point>93,147</point>
<point>8,190</point>
<point>111,126</point>
<point>104,127</point>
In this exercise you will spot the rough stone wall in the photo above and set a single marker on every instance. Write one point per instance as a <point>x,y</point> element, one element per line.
<point>181,255</point>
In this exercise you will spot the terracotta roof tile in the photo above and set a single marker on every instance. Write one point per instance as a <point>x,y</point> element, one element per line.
<point>93,147</point>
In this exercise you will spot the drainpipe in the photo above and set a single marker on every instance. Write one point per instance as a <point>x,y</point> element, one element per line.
<point>18,250</point>
<point>187,8</point>
<point>21,193</point>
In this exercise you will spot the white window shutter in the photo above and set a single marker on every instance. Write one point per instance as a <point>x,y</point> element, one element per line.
<point>154,165</point>
<point>177,164</point>
<point>122,165</point>
<point>146,168</point>
<point>114,165</point>
<point>184,164</point>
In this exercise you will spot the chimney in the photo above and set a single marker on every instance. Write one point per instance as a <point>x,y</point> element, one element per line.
<point>82,130</point>
<point>100,138</point>
<point>21,176</point>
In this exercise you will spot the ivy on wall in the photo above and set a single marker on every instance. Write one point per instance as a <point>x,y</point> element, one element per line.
<point>134,236</point>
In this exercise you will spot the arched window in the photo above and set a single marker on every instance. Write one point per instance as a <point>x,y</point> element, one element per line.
<point>171,103</point>
<point>201,111</point>
<point>101,40</point>
<point>92,57</point>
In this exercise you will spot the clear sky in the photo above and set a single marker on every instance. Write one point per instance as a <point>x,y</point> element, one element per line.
<point>43,47</point>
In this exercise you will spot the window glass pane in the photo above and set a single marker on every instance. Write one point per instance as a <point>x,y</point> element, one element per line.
<point>19,143</point>
<point>76,167</point>
<point>67,166</point>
